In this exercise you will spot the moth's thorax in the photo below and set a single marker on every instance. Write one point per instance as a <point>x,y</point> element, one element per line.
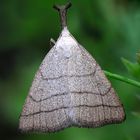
<point>66,43</point>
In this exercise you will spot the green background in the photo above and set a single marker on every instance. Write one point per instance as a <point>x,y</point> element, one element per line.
<point>108,29</point>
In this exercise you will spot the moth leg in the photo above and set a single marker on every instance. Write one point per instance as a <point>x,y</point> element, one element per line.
<point>52,42</point>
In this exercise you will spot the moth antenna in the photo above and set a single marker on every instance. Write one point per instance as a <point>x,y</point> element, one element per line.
<point>63,13</point>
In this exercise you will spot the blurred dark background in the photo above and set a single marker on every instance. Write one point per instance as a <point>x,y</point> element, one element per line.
<point>108,29</point>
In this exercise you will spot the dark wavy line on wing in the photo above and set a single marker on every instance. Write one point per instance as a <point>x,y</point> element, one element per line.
<point>67,107</point>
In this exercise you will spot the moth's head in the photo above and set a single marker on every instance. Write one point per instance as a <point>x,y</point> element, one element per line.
<point>66,39</point>
<point>66,43</point>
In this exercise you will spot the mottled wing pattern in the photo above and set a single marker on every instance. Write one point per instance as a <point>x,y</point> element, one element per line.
<point>69,89</point>
<point>94,102</point>
<point>46,107</point>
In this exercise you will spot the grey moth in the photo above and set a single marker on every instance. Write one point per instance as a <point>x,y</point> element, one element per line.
<point>69,89</point>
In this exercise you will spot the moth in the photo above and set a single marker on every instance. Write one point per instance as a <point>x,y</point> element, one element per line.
<point>69,89</point>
